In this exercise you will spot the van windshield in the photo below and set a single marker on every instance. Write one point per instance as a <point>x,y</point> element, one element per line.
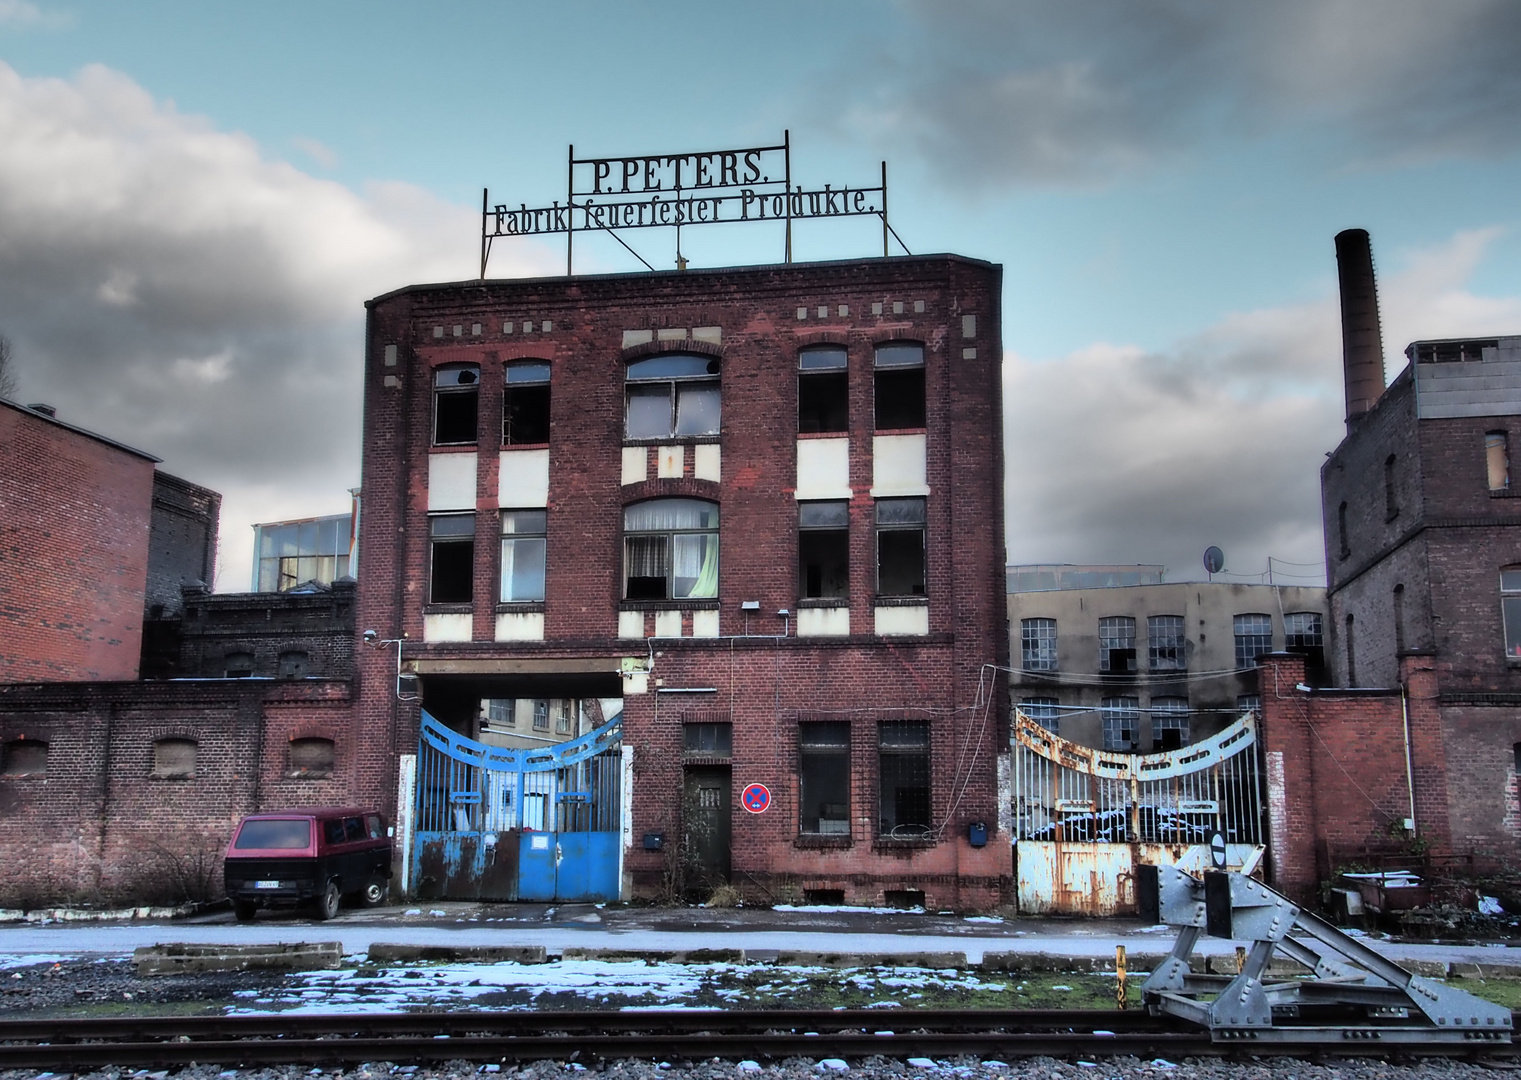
<point>296,833</point>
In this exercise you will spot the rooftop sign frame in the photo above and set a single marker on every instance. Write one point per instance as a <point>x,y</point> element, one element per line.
<point>709,187</point>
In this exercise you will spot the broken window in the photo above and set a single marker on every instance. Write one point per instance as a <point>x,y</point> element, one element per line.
<point>1169,723</point>
<point>1303,634</point>
<point>899,386</point>
<point>525,403</point>
<point>672,394</point>
<point>900,547</point>
<point>670,550</point>
<point>708,739</point>
<point>1117,645</point>
<point>824,777</point>
<point>903,768</point>
<point>1043,710</point>
<point>1497,460</point>
<point>1037,644</point>
<point>1510,608</point>
<point>292,664</point>
<point>1122,722</point>
<point>238,665</point>
<point>24,757</point>
<point>1165,647</point>
<point>456,394</point>
<point>453,558</point>
<point>823,546</point>
<point>523,554</point>
<point>310,759</point>
<point>174,759</point>
<point>823,390</point>
<point>1254,636</point>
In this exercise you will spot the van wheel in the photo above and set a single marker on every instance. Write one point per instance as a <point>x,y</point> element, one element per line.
<point>243,910</point>
<point>327,903</point>
<point>375,892</point>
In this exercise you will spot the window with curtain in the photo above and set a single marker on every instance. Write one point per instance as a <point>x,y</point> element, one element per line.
<point>523,551</point>
<point>670,550</point>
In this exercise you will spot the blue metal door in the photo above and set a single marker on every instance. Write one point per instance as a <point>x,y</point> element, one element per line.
<point>510,824</point>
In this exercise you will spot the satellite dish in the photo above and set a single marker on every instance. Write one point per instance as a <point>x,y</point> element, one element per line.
<point>1214,559</point>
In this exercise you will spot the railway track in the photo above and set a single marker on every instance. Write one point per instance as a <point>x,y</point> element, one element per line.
<point>77,1045</point>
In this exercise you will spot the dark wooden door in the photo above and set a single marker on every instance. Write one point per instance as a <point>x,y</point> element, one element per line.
<point>706,804</point>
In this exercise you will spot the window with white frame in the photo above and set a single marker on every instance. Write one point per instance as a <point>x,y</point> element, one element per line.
<point>456,397</point>
<point>899,386</point>
<point>1169,723</point>
<point>1510,609</point>
<point>541,716</point>
<point>672,394</point>
<point>525,403</point>
<point>1166,649</point>
<point>523,554</point>
<point>1304,634</point>
<point>1251,703</point>
<point>670,550</point>
<point>823,390</point>
<point>1037,644</point>
<point>563,724</point>
<point>1254,636</point>
<point>1122,722</point>
<point>1117,645</point>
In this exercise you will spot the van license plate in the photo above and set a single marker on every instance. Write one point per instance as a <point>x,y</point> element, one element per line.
<point>266,884</point>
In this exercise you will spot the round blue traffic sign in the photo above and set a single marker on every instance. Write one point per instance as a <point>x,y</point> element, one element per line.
<point>756,798</point>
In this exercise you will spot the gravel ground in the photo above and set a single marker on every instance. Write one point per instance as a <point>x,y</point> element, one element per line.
<point>807,1069</point>
<point>41,988</point>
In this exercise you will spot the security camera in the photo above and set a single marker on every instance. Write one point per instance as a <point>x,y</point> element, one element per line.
<point>370,636</point>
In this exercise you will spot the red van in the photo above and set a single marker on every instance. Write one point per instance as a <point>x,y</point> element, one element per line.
<point>308,855</point>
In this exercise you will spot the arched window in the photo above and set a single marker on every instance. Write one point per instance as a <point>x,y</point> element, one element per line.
<point>456,393</point>
<point>899,386</point>
<point>670,550</point>
<point>672,394</point>
<point>310,759</point>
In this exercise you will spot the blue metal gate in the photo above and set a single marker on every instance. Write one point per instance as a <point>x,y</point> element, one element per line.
<point>499,823</point>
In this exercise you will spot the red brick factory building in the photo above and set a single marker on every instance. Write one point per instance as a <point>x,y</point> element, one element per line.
<point>756,512</point>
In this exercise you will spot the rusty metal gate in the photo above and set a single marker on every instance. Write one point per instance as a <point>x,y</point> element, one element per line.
<point>500,823</point>
<point>1084,818</point>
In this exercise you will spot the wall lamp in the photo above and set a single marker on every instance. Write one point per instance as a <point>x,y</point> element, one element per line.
<point>373,639</point>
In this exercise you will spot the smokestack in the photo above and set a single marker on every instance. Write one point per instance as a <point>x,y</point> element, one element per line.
<point>1362,345</point>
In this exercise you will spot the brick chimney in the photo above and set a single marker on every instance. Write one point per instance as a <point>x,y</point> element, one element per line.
<point>1362,345</point>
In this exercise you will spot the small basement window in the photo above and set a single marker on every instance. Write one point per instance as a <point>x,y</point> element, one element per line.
<point>174,759</point>
<point>24,757</point>
<point>310,759</point>
<point>456,394</point>
<point>899,386</point>
<point>823,390</point>
<point>238,665</point>
<point>525,409</point>
<point>293,664</point>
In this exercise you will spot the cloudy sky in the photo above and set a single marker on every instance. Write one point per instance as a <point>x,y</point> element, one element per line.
<point>196,200</point>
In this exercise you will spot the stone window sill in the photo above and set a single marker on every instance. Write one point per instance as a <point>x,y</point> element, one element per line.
<point>822,841</point>
<point>824,602</point>
<point>520,607</point>
<point>448,609</point>
<point>902,601</point>
<point>705,604</point>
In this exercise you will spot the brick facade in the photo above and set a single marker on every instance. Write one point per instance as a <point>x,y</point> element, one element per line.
<point>74,527</point>
<point>108,818</point>
<point>749,667</point>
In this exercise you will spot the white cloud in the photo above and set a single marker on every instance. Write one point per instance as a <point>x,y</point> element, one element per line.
<point>172,286</point>
<point>321,153</point>
<point>1118,455</point>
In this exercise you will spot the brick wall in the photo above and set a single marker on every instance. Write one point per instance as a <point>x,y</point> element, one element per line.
<point>182,542</point>
<point>99,825</point>
<point>756,310</point>
<point>74,523</point>
<point>318,626</point>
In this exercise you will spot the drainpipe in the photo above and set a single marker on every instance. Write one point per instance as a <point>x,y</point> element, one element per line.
<point>1409,769</point>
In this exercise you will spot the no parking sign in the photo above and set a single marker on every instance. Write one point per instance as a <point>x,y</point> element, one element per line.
<point>756,798</point>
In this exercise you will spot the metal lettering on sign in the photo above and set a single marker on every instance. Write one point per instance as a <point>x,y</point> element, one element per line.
<point>756,798</point>
<point>701,188</point>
